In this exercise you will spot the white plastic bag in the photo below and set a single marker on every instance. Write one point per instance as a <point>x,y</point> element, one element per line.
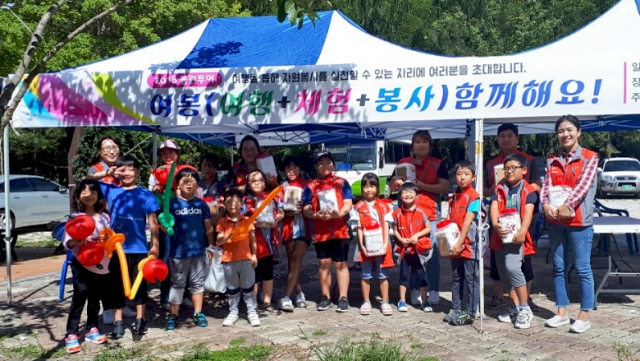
<point>215,281</point>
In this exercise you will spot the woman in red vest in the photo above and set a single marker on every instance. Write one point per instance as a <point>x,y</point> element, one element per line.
<point>567,195</point>
<point>432,179</point>
<point>249,152</point>
<point>104,171</point>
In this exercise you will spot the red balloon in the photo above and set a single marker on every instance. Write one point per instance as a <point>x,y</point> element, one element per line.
<point>155,271</point>
<point>162,174</point>
<point>90,253</point>
<point>80,227</point>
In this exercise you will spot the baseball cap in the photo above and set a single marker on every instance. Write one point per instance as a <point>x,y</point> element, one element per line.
<point>322,154</point>
<point>169,143</point>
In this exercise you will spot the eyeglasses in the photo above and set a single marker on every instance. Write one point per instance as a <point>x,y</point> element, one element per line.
<point>513,168</point>
<point>256,181</point>
<point>109,149</point>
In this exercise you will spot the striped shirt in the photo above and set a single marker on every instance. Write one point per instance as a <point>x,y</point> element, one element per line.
<point>585,180</point>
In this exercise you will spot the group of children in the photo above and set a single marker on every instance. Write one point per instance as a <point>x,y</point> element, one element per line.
<point>320,216</point>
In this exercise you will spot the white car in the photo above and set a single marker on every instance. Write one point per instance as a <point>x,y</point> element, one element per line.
<point>35,202</point>
<point>619,176</point>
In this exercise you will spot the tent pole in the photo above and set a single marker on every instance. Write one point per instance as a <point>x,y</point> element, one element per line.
<point>479,152</point>
<point>154,157</point>
<point>7,213</point>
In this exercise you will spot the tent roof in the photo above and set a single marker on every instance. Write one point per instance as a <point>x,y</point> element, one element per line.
<point>255,75</point>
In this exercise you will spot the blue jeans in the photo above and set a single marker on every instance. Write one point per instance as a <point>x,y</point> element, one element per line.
<point>569,241</point>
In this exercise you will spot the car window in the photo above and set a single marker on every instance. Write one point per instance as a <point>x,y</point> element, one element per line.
<point>622,166</point>
<point>18,185</point>
<point>43,185</point>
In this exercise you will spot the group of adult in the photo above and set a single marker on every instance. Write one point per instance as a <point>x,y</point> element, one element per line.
<point>569,225</point>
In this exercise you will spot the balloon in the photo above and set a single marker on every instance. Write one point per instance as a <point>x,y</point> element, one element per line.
<point>80,227</point>
<point>112,241</point>
<point>166,218</point>
<point>90,253</point>
<point>161,173</point>
<point>242,229</point>
<point>155,271</point>
<point>138,280</point>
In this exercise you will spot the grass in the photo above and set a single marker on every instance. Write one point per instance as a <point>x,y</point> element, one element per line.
<point>117,353</point>
<point>319,333</point>
<point>374,349</point>
<point>52,243</point>
<point>236,352</point>
<point>623,353</point>
<point>30,352</point>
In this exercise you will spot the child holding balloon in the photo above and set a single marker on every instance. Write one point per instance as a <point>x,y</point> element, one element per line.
<point>132,209</point>
<point>89,275</point>
<point>193,231</point>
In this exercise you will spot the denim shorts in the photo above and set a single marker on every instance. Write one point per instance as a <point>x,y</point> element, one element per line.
<point>373,265</point>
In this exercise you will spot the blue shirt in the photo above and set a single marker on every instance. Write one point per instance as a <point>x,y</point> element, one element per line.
<point>129,209</point>
<point>189,238</point>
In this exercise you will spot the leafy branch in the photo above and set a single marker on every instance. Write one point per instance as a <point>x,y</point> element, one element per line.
<point>296,13</point>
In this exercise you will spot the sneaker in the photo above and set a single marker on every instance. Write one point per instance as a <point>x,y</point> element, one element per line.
<point>172,322</point>
<point>118,329</point>
<point>557,321</point>
<point>524,318</point>
<point>343,305</point>
<point>434,298</point>
<point>426,307</point>
<point>128,312</point>
<point>386,309</point>
<point>167,306</point>
<point>496,302</point>
<point>72,344</point>
<point>325,304</point>
<point>463,319</point>
<point>365,309</point>
<point>416,297</point>
<point>509,316</point>
<point>533,306</point>
<point>402,306</point>
<point>94,336</point>
<point>141,326</point>
<point>108,316</point>
<point>580,326</point>
<point>187,302</point>
<point>301,302</point>
<point>449,317</point>
<point>254,319</point>
<point>286,304</point>
<point>231,319</point>
<point>200,320</point>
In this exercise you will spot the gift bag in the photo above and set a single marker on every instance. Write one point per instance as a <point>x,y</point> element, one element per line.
<point>215,281</point>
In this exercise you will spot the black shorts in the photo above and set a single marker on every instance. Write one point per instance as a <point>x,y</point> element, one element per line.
<point>115,273</point>
<point>527,268</point>
<point>336,249</point>
<point>264,269</point>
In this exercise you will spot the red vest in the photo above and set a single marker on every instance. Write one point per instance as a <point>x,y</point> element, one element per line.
<point>499,160</point>
<point>240,172</point>
<point>458,205</point>
<point>365,217</point>
<point>410,222</point>
<point>427,173</point>
<point>502,193</point>
<point>324,230</point>
<point>562,173</point>
<point>107,179</point>
<point>287,221</point>
<point>266,246</point>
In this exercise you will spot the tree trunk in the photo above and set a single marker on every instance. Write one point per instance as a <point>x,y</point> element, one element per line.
<point>74,135</point>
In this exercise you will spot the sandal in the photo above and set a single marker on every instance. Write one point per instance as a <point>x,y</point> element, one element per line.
<point>268,307</point>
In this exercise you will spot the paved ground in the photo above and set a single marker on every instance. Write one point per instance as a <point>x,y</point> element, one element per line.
<point>38,318</point>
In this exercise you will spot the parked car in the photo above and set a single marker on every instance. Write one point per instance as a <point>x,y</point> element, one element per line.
<point>619,176</point>
<point>36,203</point>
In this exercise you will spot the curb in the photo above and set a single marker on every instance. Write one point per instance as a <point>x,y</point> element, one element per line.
<point>31,278</point>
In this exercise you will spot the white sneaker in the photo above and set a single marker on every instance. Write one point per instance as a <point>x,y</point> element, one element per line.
<point>231,319</point>
<point>286,304</point>
<point>508,316</point>
<point>557,321</point>
<point>254,319</point>
<point>128,312</point>
<point>580,326</point>
<point>108,317</point>
<point>187,302</point>
<point>416,298</point>
<point>301,301</point>
<point>434,298</point>
<point>524,318</point>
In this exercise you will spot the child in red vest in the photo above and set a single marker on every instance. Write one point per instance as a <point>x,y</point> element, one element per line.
<point>373,237</point>
<point>464,208</point>
<point>267,240</point>
<point>295,232</point>
<point>519,196</point>
<point>410,230</point>
<point>327,201</point>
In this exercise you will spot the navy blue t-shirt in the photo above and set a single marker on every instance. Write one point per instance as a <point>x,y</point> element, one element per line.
<point>189,238</point>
